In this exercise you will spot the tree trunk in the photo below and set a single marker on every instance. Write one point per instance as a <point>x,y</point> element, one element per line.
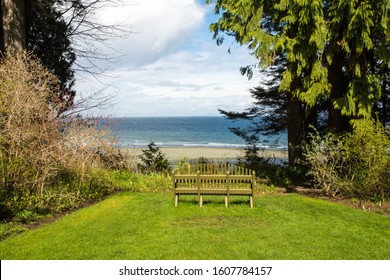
<point>310,123</point>
<point>13,27</point>
<point>384,114</point>
<point>295,123</point>
<point>337,123</point>
<point>2,46</point>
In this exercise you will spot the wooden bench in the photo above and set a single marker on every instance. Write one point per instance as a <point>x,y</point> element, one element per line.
<point>210,179</point>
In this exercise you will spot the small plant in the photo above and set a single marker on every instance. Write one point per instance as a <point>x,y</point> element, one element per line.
<point>9,229</point>
<point>154,183</point>
<point>202,160</point>
<point>153,160</point>
<point>183,166</point>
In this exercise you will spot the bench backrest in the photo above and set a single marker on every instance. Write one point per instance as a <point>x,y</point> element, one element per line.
<point>208,176</point>
<point>213,169</point>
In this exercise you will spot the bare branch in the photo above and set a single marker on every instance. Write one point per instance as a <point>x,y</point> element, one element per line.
<point>101,99</point>
<point>90,37</point>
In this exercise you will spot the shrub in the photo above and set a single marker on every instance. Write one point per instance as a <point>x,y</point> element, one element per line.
<point>274,169</point>
<point>153,160</point>
<point>368,152</point>
<point>356,164</point>
<point>29,134</point>
<point>155,183</point>
<point>202,160</point>
<point>325,156</point>
<point>47,162</point>
<point>8,229</point>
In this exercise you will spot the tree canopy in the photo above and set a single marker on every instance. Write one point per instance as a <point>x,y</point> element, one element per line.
<point>334,52</point>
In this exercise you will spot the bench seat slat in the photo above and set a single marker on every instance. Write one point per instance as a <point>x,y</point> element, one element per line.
<point>209,191</point>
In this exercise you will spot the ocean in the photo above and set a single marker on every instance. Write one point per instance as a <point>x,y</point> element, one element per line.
<point>183,132</point>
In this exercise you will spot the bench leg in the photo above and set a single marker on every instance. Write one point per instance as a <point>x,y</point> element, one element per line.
<point>226,201</point>
<point>176,200</point>
<point>251,201</point>
<point>200,200</point>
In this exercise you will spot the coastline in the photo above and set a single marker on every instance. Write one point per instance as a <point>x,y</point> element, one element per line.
<point>175,154</point>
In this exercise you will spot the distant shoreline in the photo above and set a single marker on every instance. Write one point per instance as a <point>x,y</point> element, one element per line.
<point>186,132</point>
<point>175,154</point>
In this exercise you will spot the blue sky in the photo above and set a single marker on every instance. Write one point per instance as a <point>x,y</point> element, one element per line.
<point>169,64</point>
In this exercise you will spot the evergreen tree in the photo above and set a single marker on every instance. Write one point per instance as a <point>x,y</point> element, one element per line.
<point>267,115</point>
<point>331,49</point>
<point>48,38</point>
<point>153,160</point>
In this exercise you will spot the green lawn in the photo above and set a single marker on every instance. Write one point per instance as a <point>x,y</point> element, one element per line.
<point>148,226</point>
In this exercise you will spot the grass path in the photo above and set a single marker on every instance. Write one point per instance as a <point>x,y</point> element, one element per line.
<point>147,226</point>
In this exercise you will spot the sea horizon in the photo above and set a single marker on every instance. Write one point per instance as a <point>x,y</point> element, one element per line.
<point>183,131</point>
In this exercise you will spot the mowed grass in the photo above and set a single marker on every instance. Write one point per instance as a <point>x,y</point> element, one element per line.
<point>147,226</point>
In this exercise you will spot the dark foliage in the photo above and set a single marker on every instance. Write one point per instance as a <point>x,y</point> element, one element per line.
<point>48,38</point>
<point>153,160</point>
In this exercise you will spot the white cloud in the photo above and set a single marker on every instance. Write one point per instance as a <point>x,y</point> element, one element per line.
<point>181,84</point>
<point>159,27</point>
<point>171,67</point>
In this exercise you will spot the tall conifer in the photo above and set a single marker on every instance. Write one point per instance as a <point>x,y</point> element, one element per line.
<point>335,52</point>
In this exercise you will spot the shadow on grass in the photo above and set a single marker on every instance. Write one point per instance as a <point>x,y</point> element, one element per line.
<point>212,200</point>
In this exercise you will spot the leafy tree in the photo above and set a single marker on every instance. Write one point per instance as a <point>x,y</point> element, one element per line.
<point>241,20</point>
<point>333,53</point>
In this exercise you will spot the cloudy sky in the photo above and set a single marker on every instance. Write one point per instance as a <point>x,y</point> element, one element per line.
<point>169,64</point>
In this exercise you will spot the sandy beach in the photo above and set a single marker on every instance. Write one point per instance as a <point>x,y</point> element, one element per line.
<point>175,154</point>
